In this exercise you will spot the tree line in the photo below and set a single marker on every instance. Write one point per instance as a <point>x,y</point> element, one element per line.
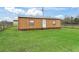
<point>5,24</point>
<point>71,20</point>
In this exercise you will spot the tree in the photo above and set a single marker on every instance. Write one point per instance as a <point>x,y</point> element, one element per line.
<point>67,20</point>
<point>76,20</point>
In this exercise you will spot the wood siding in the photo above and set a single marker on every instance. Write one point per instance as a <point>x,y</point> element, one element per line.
<point>49,23</point>
<point>24,23</point>
<point>38,23</point>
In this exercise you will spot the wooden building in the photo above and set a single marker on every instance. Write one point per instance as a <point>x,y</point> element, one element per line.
<point>26,23</point>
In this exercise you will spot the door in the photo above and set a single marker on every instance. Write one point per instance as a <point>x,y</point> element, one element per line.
<point>44,23</point>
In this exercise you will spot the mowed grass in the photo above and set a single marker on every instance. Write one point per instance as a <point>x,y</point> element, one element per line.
<point>53,40</point>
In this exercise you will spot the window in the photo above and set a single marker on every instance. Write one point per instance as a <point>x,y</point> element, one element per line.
<point>31,23</point>
<point>54,22</point>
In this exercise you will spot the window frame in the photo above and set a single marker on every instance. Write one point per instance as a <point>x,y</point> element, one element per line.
<point>31,24</point>
<point>54,22</point>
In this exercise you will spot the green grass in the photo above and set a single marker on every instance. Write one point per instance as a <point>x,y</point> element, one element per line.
<point>53,40</point>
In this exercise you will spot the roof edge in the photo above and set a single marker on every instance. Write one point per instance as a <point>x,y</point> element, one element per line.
<point>41,18</point>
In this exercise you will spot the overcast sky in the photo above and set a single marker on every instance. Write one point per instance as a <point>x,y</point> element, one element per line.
<point>11,13</point>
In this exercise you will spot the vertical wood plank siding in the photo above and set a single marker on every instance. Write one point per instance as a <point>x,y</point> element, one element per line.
<point>24,23</point>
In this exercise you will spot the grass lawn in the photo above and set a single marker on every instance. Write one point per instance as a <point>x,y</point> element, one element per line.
<point>53,40</point>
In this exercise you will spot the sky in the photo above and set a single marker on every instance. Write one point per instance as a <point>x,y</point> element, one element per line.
<point>12,13</point>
